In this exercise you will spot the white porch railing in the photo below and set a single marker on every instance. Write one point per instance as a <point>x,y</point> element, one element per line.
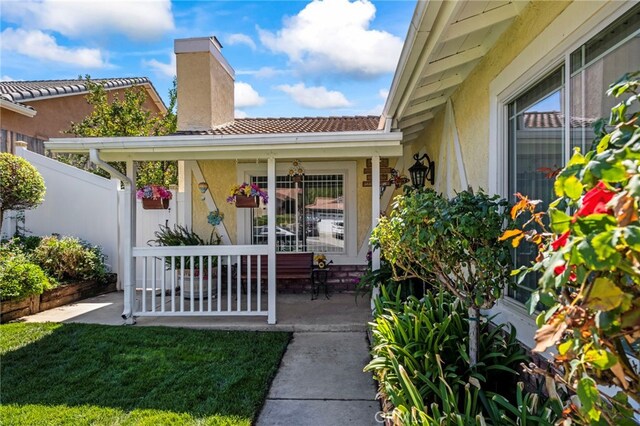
<point>202,281</point>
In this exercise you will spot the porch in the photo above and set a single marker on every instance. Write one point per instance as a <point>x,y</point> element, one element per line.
<point>296,313</point>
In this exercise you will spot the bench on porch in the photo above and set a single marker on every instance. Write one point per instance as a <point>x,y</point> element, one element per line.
<point>289,266</point>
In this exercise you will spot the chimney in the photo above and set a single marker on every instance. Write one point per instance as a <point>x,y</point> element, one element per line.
<point>205,84</point>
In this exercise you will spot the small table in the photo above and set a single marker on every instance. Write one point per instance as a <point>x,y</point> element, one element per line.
<point>318,279</point>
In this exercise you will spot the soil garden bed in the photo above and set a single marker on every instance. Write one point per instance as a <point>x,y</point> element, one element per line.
<point>49,299</point>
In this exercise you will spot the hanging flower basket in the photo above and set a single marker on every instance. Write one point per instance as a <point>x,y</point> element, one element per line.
<point>247,195</point>
<point>155,203</point>
<point>247,202</point>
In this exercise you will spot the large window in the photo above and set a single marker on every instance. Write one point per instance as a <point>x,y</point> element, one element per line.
<point>310,215</point>
<point>552,117</point>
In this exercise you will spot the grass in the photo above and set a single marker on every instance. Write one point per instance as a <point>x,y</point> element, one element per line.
<point>81,374</point>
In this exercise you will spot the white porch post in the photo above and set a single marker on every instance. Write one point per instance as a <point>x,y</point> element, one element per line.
<point>129,238</point>
<point>271,228</point>
<point>375,213</point>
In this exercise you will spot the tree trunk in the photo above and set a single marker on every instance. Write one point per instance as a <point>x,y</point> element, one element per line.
<point>474,320</point>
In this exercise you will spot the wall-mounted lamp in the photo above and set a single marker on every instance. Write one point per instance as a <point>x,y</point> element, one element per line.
<point>420,172</point>
<point>203,187</point>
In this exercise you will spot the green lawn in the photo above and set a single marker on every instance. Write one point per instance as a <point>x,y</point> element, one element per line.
<point>80,374</point>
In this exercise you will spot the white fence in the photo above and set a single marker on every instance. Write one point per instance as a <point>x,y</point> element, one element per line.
<point>87,206</point>
<point>202,281</point>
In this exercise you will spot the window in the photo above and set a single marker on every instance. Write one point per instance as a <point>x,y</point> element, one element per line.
<point>310,215</point>
<point>542,135</point>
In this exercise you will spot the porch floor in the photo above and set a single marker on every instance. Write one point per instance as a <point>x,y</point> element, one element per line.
<point>294,312</point>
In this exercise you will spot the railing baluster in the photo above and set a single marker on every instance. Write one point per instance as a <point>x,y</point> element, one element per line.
<point>173,283</point>
<point>164,284</point>
<point>191,278</point>
<point>238,285</point>
<point>210,258</point>
<point>219,281</point>
<point>181,283</point>
<point>249,284</point>
<point>153,280</point>
<point>229,283</point>
<point>200,283</point>
<point>259,286</point>
<point>144,284</point>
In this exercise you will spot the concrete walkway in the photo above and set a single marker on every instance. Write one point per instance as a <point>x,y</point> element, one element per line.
<point>320,382</point>
<point>320,379</point>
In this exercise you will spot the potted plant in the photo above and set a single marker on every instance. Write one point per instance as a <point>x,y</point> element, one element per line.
<point>247,195</point>
<point>154,197</point>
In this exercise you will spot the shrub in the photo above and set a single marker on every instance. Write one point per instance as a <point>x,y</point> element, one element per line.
<point>20,278</point>
<point>21,185</point>
<point>68,258</point>
<point>182,236</point>
<point>425,342</point>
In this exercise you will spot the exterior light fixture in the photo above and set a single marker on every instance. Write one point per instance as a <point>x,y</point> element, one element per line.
<point>420,172</point>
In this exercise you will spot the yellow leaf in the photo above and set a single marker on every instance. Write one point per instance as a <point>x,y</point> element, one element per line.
<point>604,295</point>
<point>509,233</point>
<point>516,241</point>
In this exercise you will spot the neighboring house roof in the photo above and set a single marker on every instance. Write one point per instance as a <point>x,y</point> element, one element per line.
<point>326,203</point>
<point>23,109</point>
<point>553,120</point>
<point>24,91</point>
<point>250,126</point>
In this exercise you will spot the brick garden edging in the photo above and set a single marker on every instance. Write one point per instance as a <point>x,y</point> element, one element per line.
<point>49,299</point>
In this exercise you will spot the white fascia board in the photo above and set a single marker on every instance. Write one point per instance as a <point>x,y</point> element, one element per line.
<point>229,146</point>
<point>20,109</point>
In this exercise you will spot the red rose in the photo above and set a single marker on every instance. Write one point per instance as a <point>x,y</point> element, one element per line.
<point>595,200</point>
<point>558,270</point>
<point>561,241</point>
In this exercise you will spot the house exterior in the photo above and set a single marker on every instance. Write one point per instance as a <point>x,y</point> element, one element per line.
<point>34,111</point>
<point>492,91</point>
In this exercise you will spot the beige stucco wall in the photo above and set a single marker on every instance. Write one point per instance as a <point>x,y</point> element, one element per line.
<point>54,116</point>
<point>205,92</point>
<point>219,175</point>
<point>471,100</point>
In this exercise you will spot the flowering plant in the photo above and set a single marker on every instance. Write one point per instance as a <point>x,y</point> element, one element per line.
<point>247,190</point>
<point>321,261</point>
<point>589,265</point>
<point>154,192</point>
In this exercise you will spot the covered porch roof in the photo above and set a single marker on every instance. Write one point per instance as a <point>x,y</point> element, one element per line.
<point>446,40</point>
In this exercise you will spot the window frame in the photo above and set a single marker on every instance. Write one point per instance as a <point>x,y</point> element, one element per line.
<point>550,49</point>
<point>346,168</point>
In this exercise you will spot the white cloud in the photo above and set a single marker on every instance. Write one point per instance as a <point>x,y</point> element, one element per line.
<point>162,68</point>
<point>7,78</point>
<point>334,36</point>
<point>239,114</point>
<point>317,97</point>
<point>36,44</point>
<point>241,39</point>
<point>264,72</point>
<point>376,110</point>
<point>383,93</point>
<point>246,96</point>
<point>137,19</point>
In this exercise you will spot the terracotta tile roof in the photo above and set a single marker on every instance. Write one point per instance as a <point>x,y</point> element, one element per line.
<point>18,104</point>
<point>553,120</point>
<point>21,91</point>
<point>250,126</point>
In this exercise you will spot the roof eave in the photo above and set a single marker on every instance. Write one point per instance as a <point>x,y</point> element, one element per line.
<point>20,109</point>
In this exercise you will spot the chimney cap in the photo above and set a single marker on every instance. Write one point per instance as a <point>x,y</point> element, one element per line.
<point>196,44</point>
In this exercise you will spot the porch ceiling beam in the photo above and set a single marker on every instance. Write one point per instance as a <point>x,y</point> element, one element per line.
<point>411,137</point>
<point>427,105</point>
<point>414,129</point>
<point>456,60</point>
<point>408,122</point>
<point>438,86</point>
<point>481,21</point>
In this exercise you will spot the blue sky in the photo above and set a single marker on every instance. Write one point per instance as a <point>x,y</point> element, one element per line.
<point>326,57</point>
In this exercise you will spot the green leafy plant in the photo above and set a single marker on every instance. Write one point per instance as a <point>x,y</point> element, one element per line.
<point>21,185</point>
<point>449,243</point>
<point>126,115</point>
<point>182,236</point>
<point>589,261</point>
<point>428,338</point>
<point>19,277</point>
<point>68,258</point>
